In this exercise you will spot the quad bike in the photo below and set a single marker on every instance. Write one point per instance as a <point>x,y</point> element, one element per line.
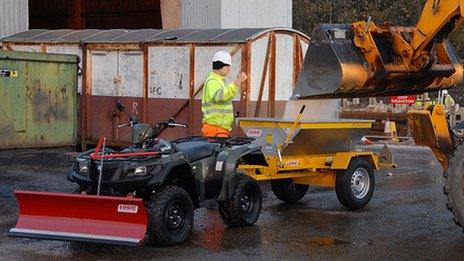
<point>148,190</point>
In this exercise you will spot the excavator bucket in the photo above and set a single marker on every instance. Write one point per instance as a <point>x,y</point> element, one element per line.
<point>430,128</point>
<point>334,67</point>
<point>76,217</point>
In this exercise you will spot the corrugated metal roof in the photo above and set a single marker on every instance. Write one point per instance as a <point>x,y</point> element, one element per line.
<point>105,35</point>
<point>142,35</point>
<point>77,36</point>
<point>51,35</point>
<point>25,35</point>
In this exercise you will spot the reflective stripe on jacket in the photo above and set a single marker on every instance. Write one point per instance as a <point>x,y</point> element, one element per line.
<point>449,101</point>
<point>216,102</point>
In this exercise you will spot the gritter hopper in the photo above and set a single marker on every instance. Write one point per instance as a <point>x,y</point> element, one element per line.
<point>310,137</point>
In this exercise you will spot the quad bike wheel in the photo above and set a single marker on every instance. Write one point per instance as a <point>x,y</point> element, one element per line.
<point>454,185</point>
<point>287,191</point>
<point>355,186</point>
<point>170,217</point>
<point>244,207</point>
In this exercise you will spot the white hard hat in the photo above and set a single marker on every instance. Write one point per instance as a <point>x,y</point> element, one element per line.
<point>222,56</point>
<point>445,91</point>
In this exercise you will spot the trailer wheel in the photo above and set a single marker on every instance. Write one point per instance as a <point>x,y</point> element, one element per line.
<point>355,186</point>
<point>244,207</point>
<point>287,191</point>
<point>170,217</point>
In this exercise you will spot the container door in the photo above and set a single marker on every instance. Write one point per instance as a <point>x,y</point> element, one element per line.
<point>105,80</point>
<point>130,74</point>
<point>14,104</point>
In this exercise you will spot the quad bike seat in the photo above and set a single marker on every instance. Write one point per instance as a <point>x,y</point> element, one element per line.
<point>195,150</point>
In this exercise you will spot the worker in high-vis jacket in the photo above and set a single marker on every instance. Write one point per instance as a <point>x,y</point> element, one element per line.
<point>448,102</point>
<point>216,102</point>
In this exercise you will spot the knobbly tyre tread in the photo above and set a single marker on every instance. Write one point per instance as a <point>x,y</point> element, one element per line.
<point>230,210</point>
<point>282,191</point>
<point>156,231</point>
<point>453,188</point>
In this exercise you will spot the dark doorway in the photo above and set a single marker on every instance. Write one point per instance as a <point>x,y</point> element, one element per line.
<point>95,14</point>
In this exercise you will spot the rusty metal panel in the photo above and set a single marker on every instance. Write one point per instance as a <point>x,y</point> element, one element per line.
<point>162,109</point>
<point>169,71</point>
<point>26,48</point>
<point>38,99</point>
<point>105,118</point>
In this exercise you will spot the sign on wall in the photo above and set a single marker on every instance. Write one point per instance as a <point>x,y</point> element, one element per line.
<point>407,99</point>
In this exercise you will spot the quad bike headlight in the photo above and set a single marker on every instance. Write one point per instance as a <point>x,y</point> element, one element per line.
<point>140,171</point>
<point>83,167</point>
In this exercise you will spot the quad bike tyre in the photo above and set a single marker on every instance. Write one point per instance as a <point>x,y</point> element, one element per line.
<point>454,182</point>
<point>355,186</point>
<point>244,207</point>
<point>287,191</point>
<point>170,217</point>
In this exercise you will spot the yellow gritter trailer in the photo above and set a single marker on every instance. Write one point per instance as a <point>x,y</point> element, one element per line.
<point>315,153</point>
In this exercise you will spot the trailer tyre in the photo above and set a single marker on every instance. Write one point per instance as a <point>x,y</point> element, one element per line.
<point>244,207</point>
<point>355,186</point>
<point>170,217</point>
<point>287,191</point>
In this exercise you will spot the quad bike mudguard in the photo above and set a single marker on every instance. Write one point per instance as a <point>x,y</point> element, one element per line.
<point>76,217</point>
<point>228,160</point>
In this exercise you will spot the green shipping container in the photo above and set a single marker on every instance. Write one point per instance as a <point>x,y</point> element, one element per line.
<point>38,100</point>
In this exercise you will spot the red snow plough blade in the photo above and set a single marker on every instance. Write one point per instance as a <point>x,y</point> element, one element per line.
<point>76,217</point>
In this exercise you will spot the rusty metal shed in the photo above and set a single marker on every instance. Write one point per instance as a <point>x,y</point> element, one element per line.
<point>38,103</point>
<point>159,73</point>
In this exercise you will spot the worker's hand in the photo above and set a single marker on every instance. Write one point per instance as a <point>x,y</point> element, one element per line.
<point>241,77</point>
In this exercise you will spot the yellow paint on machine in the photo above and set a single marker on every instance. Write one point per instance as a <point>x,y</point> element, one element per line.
<point>315,170</point>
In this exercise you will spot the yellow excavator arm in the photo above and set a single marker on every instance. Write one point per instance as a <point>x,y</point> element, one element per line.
<point>363,59</point>
<point>439,18</point>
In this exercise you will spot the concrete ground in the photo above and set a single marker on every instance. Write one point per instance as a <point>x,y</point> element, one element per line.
<point>406,219</point>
